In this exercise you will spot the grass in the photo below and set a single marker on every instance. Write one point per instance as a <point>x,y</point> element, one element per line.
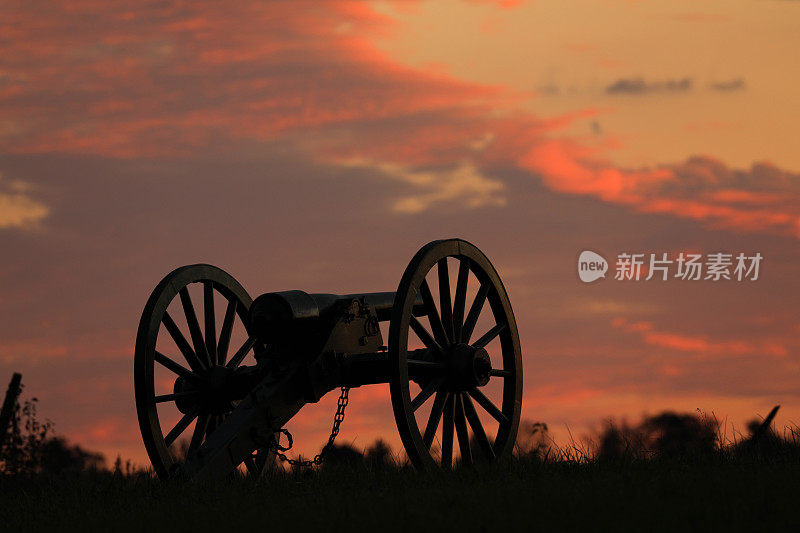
<point>671,472</point>
<point>722,491</point>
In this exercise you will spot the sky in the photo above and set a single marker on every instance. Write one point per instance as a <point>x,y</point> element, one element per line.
<point>318,145</point>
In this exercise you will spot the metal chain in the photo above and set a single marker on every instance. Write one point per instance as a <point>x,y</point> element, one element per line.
<point>338,418</point>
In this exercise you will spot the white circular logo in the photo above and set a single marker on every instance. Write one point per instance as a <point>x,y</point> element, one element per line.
<point>591,266</point>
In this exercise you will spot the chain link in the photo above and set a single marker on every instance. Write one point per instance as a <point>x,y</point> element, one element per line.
<point>338,418</point>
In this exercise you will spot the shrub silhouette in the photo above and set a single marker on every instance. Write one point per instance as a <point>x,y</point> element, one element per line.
<point>29,447</point>
<point>343,455</point>
<point>22,448</point>
<point>533,440</point>
<point>666,435</point>
<point>379,456</point>
<point>57,456</point>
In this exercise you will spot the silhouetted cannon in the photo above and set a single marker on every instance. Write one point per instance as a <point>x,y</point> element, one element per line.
<point>302,346</point>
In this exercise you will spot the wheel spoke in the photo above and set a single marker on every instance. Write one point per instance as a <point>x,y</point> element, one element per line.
<point>490,335</point>
<point>194,327</point>
<point>447,433</point>
<point>218,421</point>
<point>487,404</point>
<point>477,427</point>
<point>474,313</point>
<point>461,431</point>
<point>246,347</point>
<point>436,415</point>
<point>433,314</point>
<point>426,338</point>
<point>180,427</point>
<point>212,425</point>
<point>424,394</point>
<point>445,303</point>
<point>210,321</point>
<point>460,302</point>
<point>199,431</point>
<point>500,373</point>
<point>168,363</point>
<point>250,463</point>
<point>175,396</point>
<point>260,459</point>
<point>225,332</point>
<point>183,345</point>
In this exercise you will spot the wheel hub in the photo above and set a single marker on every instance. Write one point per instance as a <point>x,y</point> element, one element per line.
<point>469,367</point>
<point>213,393</point>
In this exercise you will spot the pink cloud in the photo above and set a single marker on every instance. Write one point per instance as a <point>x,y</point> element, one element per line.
<point>168,80</point>
<point>762,199</point>
<point>98,78</point>
<point>702,345</point>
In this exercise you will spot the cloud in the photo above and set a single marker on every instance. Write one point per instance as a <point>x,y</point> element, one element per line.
<point>726,86</point>
<point>701,346</point>
<point>764,198</point>
<point>190,80</point>
<point>18,208</point>
<point>162,80</point>
<point>460,186</point>
<point>14,352</point>
<point>641,86</point>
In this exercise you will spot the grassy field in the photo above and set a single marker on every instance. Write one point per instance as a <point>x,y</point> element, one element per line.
<point>718,492</point>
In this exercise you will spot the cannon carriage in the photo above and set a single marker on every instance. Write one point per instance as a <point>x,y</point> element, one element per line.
<point>449,380</point>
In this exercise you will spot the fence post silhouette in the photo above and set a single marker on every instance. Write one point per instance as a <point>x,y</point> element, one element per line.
<point>763,429</point>
<point>14,390</point>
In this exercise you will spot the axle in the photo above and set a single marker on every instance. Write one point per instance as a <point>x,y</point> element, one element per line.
<point>221,390</point>
<point>341,370</point>
<point>373,368</point>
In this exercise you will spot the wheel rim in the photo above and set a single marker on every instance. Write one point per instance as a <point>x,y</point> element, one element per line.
<point>458,401</point>
<point>198,364</point>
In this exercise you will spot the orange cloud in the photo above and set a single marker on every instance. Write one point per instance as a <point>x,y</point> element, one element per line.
<point>30,350</point>
<point>157,80</point>
<point>180,80</point>
<point>701,345</point>
<point>761,199</point>
<point>18,207</point>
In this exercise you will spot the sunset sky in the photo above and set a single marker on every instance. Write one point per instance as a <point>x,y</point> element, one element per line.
<point>317,145</point>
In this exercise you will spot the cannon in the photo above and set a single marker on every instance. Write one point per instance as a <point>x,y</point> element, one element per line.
<point>220,397</point>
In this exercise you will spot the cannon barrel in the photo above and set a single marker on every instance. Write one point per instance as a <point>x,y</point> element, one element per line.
<point>273,311</point>
<point>382,302</point>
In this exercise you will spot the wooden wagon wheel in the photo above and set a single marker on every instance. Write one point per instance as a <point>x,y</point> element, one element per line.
<point>194,370</point>
<point>462,369</point>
